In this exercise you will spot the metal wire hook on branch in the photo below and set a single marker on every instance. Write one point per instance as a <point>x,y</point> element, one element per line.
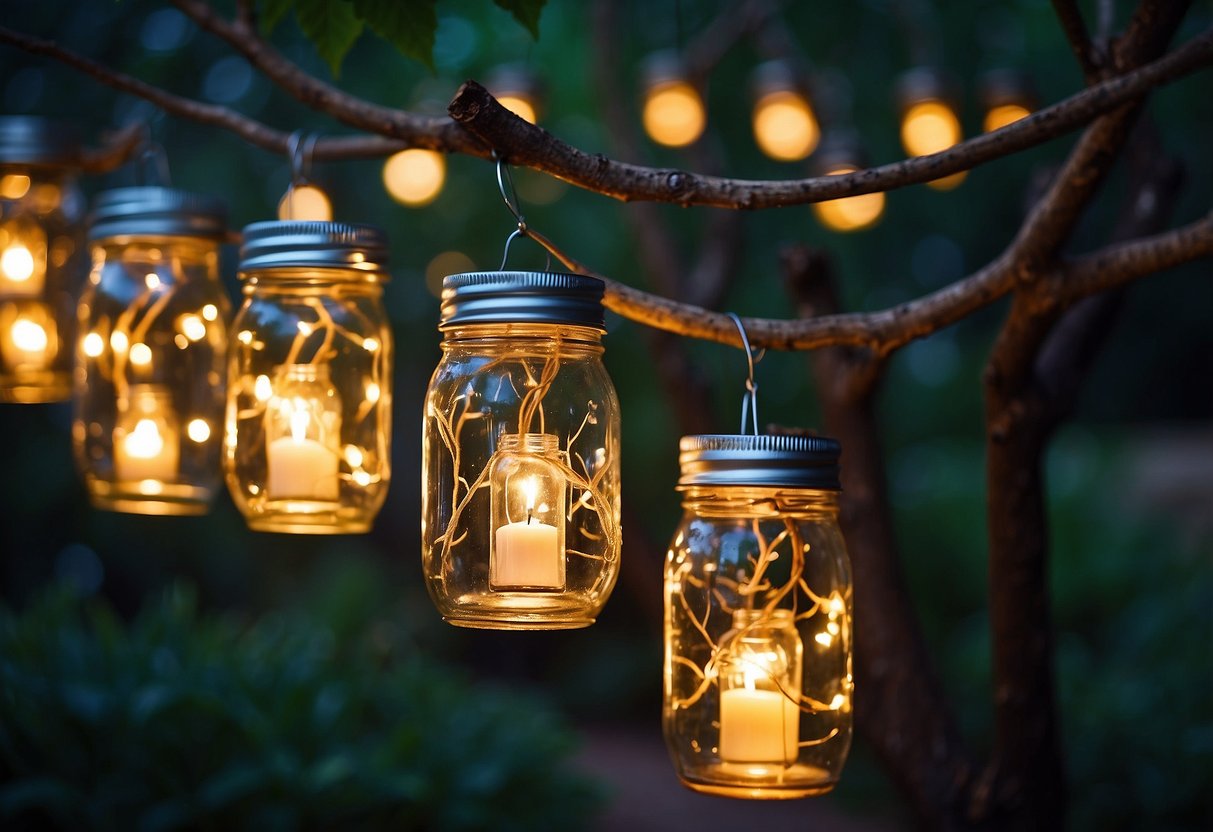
<point>510,197</point>
<point>749,401</point>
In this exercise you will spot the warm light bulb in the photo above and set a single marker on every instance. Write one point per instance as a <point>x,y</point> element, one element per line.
<point>263,388</point>
<point>519,106</point>
<point>141,355</point>
<point>929,127</point>
<point>14,185</point>
<point>144,442</point>
<point>674,114</point>
<point>17,263</point>
<point>198,430</point>
<point>784,126</point>
<point>849,213</point>
<point>1004,114</point>
<point>372,392</point>
<point>193,327</point>
<point>28,336</point>
<point>414,177</point>
<point>305,202</point>
<point>93,345</point>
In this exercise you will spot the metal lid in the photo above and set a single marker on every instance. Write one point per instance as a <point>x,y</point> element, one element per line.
<point>522,297</point>
<point>764,460</point>
<point>32,140</point>
<point>306,244</point>
<point>154,211</point>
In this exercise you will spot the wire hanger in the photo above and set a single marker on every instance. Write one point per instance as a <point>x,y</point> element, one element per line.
<point>151,165</point>
<point>749,400</point>
<point>510,196</point>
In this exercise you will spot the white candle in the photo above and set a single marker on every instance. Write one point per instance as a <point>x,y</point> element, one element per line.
<point>145,454</point>
<point>758,726</point>
<point>301,468</point>
<point>527,555</point>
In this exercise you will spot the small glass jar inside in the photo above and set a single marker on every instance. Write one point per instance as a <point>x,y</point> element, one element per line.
<point>150,354</point>
<point>758,619</point>
<point>41,257</point>
<point>520,454</point>
<point>307,439</point>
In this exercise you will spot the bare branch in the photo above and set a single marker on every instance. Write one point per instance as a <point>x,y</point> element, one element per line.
<point>1090,61</point>
<point>414,130</point>
<point>526,144</point>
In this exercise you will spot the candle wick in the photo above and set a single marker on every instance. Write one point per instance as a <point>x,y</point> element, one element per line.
<point>528,516</point>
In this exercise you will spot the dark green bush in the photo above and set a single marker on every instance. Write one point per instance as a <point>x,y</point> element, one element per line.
<point>181,720</point>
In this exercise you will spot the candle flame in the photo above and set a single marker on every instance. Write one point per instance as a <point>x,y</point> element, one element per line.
<point>144,442</point>
<point>530,492</point>
<point>299,422</point>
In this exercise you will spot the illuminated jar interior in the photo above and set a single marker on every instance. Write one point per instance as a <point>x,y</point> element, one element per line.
<point>307,433</point>
<point>520,454</point>
<point>150,352</point>
<point>41,257</point>
<point>757,683</point>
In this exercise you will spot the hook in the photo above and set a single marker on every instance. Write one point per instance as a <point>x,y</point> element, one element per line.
<point>749,401</point>
<point>300,146</point>
<point>510,197</point>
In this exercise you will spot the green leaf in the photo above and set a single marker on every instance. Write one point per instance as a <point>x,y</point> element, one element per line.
<point>525,12</point>
<point>409,26</point>
<point>330,24</point>
<point>273,11</point>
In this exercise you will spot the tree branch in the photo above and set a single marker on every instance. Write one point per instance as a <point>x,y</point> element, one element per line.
<point>118,147</point>
<point>416,131</point>
<point>1090,61</point>
<point>531,146</point>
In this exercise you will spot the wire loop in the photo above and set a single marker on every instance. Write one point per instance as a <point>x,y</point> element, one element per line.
<point>749,401</point>
<point>510,197</point>
<point>301,146</point>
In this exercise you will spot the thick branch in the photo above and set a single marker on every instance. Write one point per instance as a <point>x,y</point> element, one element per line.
<point>526,144</point>
<point>415,130</point>
<point>1090,61</point>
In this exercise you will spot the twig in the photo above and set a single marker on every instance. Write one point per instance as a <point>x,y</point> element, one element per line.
<point>1090,61</point>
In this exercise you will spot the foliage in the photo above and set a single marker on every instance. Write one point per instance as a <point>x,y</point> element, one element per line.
<point>334,25</point>
<point>182,720</point>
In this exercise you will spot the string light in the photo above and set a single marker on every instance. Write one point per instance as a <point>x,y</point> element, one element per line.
<point>414,177</point>
<point>673,112</point>
<point>929,123</point>
<point>1007,96</point>
<point>517,89</point>
<point>852,213</point>
<point>785,126</point>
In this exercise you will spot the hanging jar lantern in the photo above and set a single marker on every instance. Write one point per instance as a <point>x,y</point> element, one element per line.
<point>307,437</point>
<point>758,619</point>
<point>41,257</point>
<point>151,351</point>
<point>520,485</point>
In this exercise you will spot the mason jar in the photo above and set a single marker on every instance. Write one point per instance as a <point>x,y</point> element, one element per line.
<point>520,454</point>
<point>41,257</point>
<point>152,325</point>
<point>758,682</point>
<point>307,437</point>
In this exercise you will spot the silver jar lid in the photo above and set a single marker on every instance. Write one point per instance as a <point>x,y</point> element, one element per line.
<point>522,297</point>
<point>31,140</point>
<point>312,244</point>
<point>152,211</point>
<point>764,460</point>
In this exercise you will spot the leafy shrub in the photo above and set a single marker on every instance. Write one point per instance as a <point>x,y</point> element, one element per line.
<point>187,721</point>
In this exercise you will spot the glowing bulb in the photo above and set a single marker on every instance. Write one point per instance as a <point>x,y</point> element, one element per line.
<point>849,213</point>
<point>370,344</point>
<point>414,177</point>
<point>152,280</point>
<point>193,327</point>
<point>28,336</point>
<point>141,355</point>
<point>245,337</point>
<point>372,392</point>
<point>674,114</point>
<point>929,127</point>
<point>305,202</point>
<point>144,442</point>
<point>784,126</point>
<point>1004,114</point>
<point>824,639</point>
<point>354,456</point>
<point>263,388</point>
<point>210,312</point>
<point>837,702</point>
<point>119,341</point>
<point>519,106</point>
<point>14,186</point>
<point>305,329</point>
<point>17,263</point>
<point>93,345</point>
<point>198,430</point>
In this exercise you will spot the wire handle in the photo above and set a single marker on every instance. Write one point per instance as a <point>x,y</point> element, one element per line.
<point>151,165</point>
<point>749,401</point>
<point>300,146</point>
<point>510,197</point>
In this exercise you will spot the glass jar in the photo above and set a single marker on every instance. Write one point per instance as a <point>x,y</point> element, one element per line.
<point>148,395</point>
<point>41,257</point>
<point>520,454</point>
<point>757,676</point>
<point>307,439</point>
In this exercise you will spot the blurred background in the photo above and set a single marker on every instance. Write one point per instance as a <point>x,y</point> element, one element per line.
<point>1130,484</point>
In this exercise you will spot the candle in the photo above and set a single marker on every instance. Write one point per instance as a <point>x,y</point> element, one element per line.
<point>145,453</point>
<point>527,553</point>
<point>299,467</point>
<point>758,726</point>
